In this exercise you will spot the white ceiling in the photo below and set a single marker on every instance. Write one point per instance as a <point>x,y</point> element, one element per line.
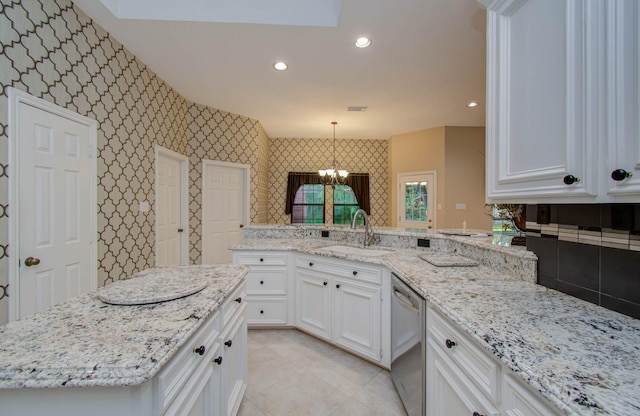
<point>426,61</point>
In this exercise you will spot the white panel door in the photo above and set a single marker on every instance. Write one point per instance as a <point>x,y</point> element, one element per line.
<point>55,232</point>
<point>168,212</point>
<point>224,209</point>
<point>416,200</point>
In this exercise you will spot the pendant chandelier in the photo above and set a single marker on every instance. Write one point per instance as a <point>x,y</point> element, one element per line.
<point>334,175</point>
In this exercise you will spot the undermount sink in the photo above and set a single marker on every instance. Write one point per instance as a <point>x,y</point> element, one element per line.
<point>359,251</point>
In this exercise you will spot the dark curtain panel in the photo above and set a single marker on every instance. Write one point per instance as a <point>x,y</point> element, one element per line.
<point>359,182</point>
<point>295,181</point>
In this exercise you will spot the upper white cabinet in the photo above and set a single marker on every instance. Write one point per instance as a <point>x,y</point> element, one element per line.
<point>562,100</point>
<point>623,109</point>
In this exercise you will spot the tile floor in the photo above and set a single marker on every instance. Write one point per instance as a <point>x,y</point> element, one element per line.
<point>292,373</point>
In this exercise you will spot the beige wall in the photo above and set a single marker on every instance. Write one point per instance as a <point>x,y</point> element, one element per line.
<point>415,152</point>
<point>456,154</point>
<point>464,178</point>
<point>309,155</point>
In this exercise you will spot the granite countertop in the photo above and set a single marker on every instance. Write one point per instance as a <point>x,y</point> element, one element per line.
<point>86,342</point>
<point>583,358</point>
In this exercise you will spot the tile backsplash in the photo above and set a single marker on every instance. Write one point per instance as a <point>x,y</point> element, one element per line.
<point>590,251</point>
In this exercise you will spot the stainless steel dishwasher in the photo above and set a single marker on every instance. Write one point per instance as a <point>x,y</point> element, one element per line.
<point>408,366</point>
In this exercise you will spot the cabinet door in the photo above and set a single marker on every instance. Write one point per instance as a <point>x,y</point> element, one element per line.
<point>623,109</point>
<point>313,304</point>
<point>520,401</point>
<point>449,391</point>
<point>357,317</point>
<point>234,365</point>
<point>542,95</point>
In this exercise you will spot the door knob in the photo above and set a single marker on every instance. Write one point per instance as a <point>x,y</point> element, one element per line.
<point>180,230</point>
<point>241,225</point>
<point>620,175</point>
<point>31,261</point>
<point>570,179</point>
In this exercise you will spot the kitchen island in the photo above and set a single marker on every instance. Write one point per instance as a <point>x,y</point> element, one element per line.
<point>87,352</point>
<point>580,358</point>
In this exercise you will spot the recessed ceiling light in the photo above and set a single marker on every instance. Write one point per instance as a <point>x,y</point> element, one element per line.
<point>363,42</point>
<point>280,66</point>
<point>473,104</point>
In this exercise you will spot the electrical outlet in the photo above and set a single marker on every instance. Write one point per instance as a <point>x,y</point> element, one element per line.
<point>325,233</point>
<point>423,242</point>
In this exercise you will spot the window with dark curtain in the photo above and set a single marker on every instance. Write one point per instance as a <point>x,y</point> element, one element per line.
<point>359,182</point>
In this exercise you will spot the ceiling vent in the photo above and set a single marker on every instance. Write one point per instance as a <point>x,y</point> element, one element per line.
<point>357,108</point>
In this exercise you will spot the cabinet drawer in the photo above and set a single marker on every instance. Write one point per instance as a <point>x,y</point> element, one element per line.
<point>232,303</point>
<point>177,372</point>
<point>267,281</point>
<point>479,366</point>
<point>266,311</point>
<point>340,268</point>
<point>262,259</point>
<point>520,400</point>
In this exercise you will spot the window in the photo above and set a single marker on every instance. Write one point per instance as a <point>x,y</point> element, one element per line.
<point>308,205</point>
<point>345,205</point>
<point>416,201</point>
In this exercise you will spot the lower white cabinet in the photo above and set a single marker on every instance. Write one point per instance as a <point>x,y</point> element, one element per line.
<point>234,364</point>
<point>268,288</point>
<point>345,303</point>
<point>462,379</point>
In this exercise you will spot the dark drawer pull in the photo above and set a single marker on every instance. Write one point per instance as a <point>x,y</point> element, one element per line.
<point>355,272</point>
<point>310,264</point>
<point>338,286</point>
<point>261,282</point>
<point>239,300</point>
<point>218,360</point>
<point>261,259</point>
<point>200,350</point>
<point>325,283</point>
<point>228,343</point>
<point>570,179</point>
<point>477,414</point>
<point>450,344</point>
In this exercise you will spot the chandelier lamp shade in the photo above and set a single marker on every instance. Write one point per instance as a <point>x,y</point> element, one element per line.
<point>334,175</point>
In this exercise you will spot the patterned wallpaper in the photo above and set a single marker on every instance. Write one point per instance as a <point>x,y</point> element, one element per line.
<point>218,135</point>
<point>53,51</point>
<point>309,155</point>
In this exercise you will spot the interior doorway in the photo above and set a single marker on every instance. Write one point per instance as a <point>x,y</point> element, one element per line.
<point>417,200</point>
<point>52,195</point>
<point>225,208</point>
<point>172,225</point>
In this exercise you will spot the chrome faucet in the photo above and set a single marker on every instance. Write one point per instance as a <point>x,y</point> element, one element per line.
<point>368,231</point>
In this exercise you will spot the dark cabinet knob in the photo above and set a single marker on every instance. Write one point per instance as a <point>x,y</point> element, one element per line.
<point>200,350</point>
<point>228,343</point>
<point>239,300</point>
<point>477,414</point>
<point>450,344</point>
<point>218,360</point>
<point>355,272</point>
<point>261,259</point>
<point>570,179</point>
<point>337,286</point>
<point>310,264</point>
<point>261,282</point>
<point>620,175</point>
<point>261,312</point>
<point>325,283</point>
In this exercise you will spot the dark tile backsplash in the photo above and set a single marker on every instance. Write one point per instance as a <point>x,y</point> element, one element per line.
<point>590,251</point>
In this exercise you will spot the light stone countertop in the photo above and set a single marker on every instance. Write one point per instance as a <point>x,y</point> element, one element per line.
<point>85,342</point>
<point>583,358</point>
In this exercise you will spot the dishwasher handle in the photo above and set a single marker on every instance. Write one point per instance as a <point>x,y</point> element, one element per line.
<point>406,300</point>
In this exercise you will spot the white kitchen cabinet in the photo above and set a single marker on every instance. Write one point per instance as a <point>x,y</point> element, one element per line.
<point>562,100</point>
<point>357,317</point>
<point>449,390</point>
<point>314,304</point>
<point>623,100</point>
<point>346,303</point>
<point>233,357</point>
<point>464,379</point>
<point>268,288</point>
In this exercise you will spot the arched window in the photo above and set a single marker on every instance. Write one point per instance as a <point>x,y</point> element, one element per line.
<point>308,205</point>
<point>345,204</point>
